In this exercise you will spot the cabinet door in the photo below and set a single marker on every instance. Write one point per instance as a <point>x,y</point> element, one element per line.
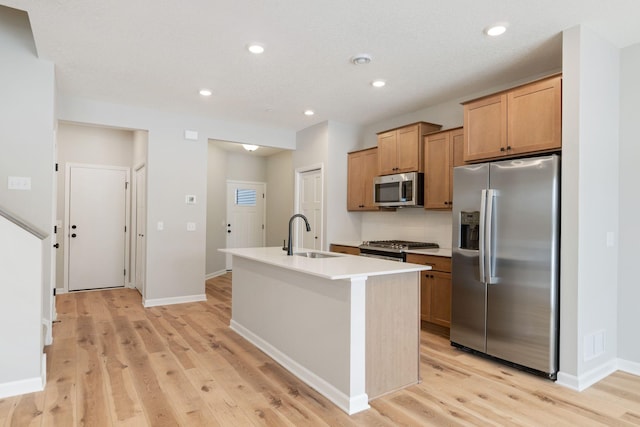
<point>362,167</point>
<point>408,149</point>
<point>535,117</point>
<point>387,143</point>
<point>485,124</point>
<point>437,175</point>
<point>440,309</point>
<point>355,178</point>
<point>425,296</point>
<point>370,164</point>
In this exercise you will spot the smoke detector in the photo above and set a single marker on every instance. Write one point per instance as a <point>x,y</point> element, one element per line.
<point>361,59</point>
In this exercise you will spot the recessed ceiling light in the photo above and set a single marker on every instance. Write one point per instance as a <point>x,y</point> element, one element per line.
<point>361,59</point>
<point>205,92</point>
<point>496,30</point>
<point>309,112</point>
<point>378,83</point>
<point>255,48</point>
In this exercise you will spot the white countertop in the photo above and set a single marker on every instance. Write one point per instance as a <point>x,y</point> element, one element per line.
<point>445,252</point>
<point>340,266</point>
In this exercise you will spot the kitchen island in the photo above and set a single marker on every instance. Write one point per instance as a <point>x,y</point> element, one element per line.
<point>346,325</point>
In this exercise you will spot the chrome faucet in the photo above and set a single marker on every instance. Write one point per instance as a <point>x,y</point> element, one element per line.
<point>289,245</point>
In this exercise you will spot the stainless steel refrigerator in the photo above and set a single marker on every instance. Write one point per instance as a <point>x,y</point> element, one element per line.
<point>505,261</point>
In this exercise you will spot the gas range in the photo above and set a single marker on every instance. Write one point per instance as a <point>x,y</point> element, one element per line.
<point>392,249</point>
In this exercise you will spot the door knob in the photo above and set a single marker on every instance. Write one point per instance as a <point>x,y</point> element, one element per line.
<point>73,227</point>
<point>73,235</point>
<point>228,231</point>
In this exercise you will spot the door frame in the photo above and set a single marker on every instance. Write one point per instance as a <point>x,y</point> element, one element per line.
<point>127,217</point>
<point>134,230</point>
<point>296,200</point>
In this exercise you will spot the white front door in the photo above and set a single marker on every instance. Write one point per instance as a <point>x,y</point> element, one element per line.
<point>245,215</point>
<point>310,205</point>
<point>96,227</point>
<point>141,229</point>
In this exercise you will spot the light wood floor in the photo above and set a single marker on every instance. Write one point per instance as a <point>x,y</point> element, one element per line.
<point>115,363</point>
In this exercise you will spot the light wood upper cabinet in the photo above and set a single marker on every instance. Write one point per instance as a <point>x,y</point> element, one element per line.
<point>443,151</point>
<point>400,150</point>
<point>526,119</point>
<point>362,167</point>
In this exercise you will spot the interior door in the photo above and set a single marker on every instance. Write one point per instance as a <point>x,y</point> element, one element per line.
<point>141,229</point>
<point>96,227</point>
<point>310,198</point>
<point>245,215</point>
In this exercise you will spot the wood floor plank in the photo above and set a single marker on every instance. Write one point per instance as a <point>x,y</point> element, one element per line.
<point>115,363</point>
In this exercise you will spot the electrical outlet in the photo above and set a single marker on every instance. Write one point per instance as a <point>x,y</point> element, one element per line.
<point>191,226</point>
<point>160,226</point>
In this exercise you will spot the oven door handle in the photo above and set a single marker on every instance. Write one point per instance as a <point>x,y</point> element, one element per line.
<point>389,258</point>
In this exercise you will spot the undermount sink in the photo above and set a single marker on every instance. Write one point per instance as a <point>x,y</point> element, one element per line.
<point>315,255</point>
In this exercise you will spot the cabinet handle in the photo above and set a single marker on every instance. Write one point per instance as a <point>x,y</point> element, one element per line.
<point>501,148</point>
<point>446,203</point>
<point>508,147</point>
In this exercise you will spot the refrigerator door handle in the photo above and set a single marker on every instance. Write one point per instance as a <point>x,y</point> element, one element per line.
<point>489,261</point>
<point>481,236</point>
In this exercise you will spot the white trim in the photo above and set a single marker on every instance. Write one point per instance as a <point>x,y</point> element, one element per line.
<point>350,405</point>
<point>587,379</point>
<point>30,385</point>
<point>629,367</point>
<point>48,329</point>
<point>215,274</point>
<point>173,300</point>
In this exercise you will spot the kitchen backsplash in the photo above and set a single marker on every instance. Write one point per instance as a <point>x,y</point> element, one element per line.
<point>413,224</point>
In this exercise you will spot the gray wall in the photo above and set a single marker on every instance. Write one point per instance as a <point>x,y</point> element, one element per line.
<point>279,196</point>
<point>629,251</point>
<point>27,140</point>
<point>588,300</point>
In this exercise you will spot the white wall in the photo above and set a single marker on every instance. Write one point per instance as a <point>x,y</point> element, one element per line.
<point>276,171</point>
<point>341,225</point>
<point>27,91</point>
<point>88,145</point>
<point>629,251</point>
<point>176,167</point>
<point>279,196</point>
<point>589,204</point>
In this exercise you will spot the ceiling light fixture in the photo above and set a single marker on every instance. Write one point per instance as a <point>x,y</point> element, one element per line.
<point>378,83</point>
<point>361,59</point>
<point>205,92</point>
<point>309,112</point>
<point>255,48</point>
<point>250,147</point>
<point>496,30</point>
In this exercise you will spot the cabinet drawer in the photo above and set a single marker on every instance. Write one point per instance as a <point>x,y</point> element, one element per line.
<point>437,263</point>
<point>350,250</point>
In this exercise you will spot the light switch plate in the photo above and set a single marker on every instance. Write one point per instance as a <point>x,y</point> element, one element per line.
<point>190,199</point>
<point>160,226</point>
<point>191,226</point>
<point>19,183</point>
<point>191,135</point>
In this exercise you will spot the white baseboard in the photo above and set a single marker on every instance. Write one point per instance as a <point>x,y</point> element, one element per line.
<point>215,274</point>
<point>30,385</point>
<point>173,300</point>
<point>349,404</point>
<point>629,367</point>
<point>586,380</point>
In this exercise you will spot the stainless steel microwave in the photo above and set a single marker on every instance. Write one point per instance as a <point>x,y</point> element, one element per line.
<point>402,189</point>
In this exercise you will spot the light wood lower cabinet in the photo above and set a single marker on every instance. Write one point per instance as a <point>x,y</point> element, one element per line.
<point>342,249</point>
<point>435,289</point>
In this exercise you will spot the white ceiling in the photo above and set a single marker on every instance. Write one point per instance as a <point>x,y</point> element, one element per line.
<point>158,54</point>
